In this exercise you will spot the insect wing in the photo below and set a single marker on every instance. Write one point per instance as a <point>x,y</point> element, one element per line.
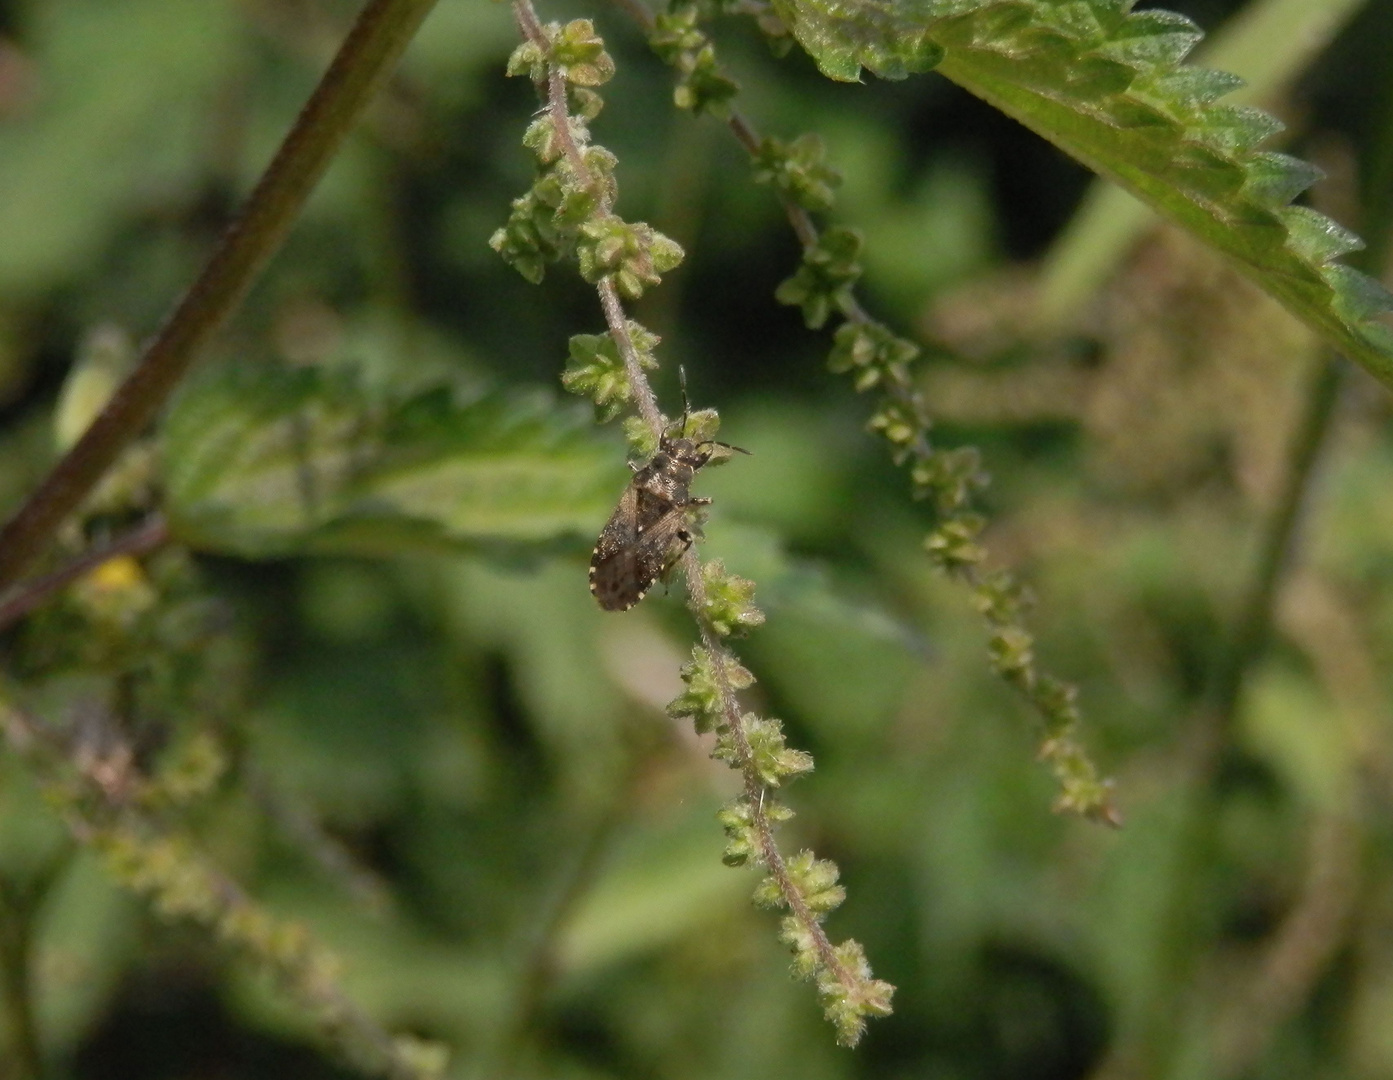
<point>613,580</point>
<point>649,529</point>
<point>644,537</point>
<point>661,545</point>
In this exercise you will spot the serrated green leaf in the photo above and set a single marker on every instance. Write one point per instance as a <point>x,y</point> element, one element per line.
<point>1158,134</point>
<point>270,460</point>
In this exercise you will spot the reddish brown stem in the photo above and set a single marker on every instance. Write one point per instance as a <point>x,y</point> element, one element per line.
<point>28,595</point>
<point>367,55</point>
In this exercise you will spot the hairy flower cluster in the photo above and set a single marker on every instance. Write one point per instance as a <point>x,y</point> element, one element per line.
<point>1002,601</point>
<point>701,85</point>
<point>567,211</point>
<point>798,170</point>
<point>181,883</point>
<point>804,886</point>
<point>596,370</point>
<point>949,479</point>
<point>823,283</point>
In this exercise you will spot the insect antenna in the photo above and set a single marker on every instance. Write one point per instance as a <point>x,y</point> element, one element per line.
<point>686,412</point>
<point>686,403</point>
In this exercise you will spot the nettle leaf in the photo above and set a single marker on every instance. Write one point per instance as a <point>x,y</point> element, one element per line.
<point>1105,85</point>
<point>266,460</point>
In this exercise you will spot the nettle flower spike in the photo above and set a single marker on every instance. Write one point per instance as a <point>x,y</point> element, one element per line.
<point>901,424</point>
<point>823,283</point>
<point>702,86</point>
<point>742,834</point>
<point>583,195</point>
<point>702,426</point>
<point>541,137</point>
<point>569,209</point>
<point>730,607</point>
<point>583,102</point>
<point>702,699</point>
<point>1012,653</point>
<point>772,759</point>
<point>575,49</point>
<point>742,838</point>
<point>953,545</point>
<point>529,240</point>
<point>873,352</point>
<point>543,224</point>
<point>850,995</point>
<point>596,370</point>
<point>706,89</point>
<point>642,439</point>
<point>635,255</point>
<point>1001,598</point>
<point>815,880</point>
<point>1059,701</point>
<point>799,170</point>
<point>580,54</point>
<point>950,478</point>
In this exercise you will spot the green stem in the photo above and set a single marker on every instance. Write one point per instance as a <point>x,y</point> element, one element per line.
<point>1255,618</point>
<point>367,56</point>
<point>20,901</point>
<point>541,966</point>
<point>16,1004</point>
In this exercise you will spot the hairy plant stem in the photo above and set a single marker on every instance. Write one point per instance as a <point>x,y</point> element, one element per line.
<point>531,28</point>
<point>368,54</point>
<point>754,788</point>
<point>28,595</point>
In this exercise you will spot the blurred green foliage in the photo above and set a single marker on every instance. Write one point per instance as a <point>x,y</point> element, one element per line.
<point>436,753</point>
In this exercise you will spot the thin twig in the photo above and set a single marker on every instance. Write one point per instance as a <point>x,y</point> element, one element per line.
<point>367,55</point>
<point>28,595</point>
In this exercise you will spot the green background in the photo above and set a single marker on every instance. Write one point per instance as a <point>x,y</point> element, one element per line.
<point>456,770</point>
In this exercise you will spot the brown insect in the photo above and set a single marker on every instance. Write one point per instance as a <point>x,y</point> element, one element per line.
<point>650,528</point>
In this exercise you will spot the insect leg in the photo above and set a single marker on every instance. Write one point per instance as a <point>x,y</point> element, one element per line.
<point>684,539</point>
